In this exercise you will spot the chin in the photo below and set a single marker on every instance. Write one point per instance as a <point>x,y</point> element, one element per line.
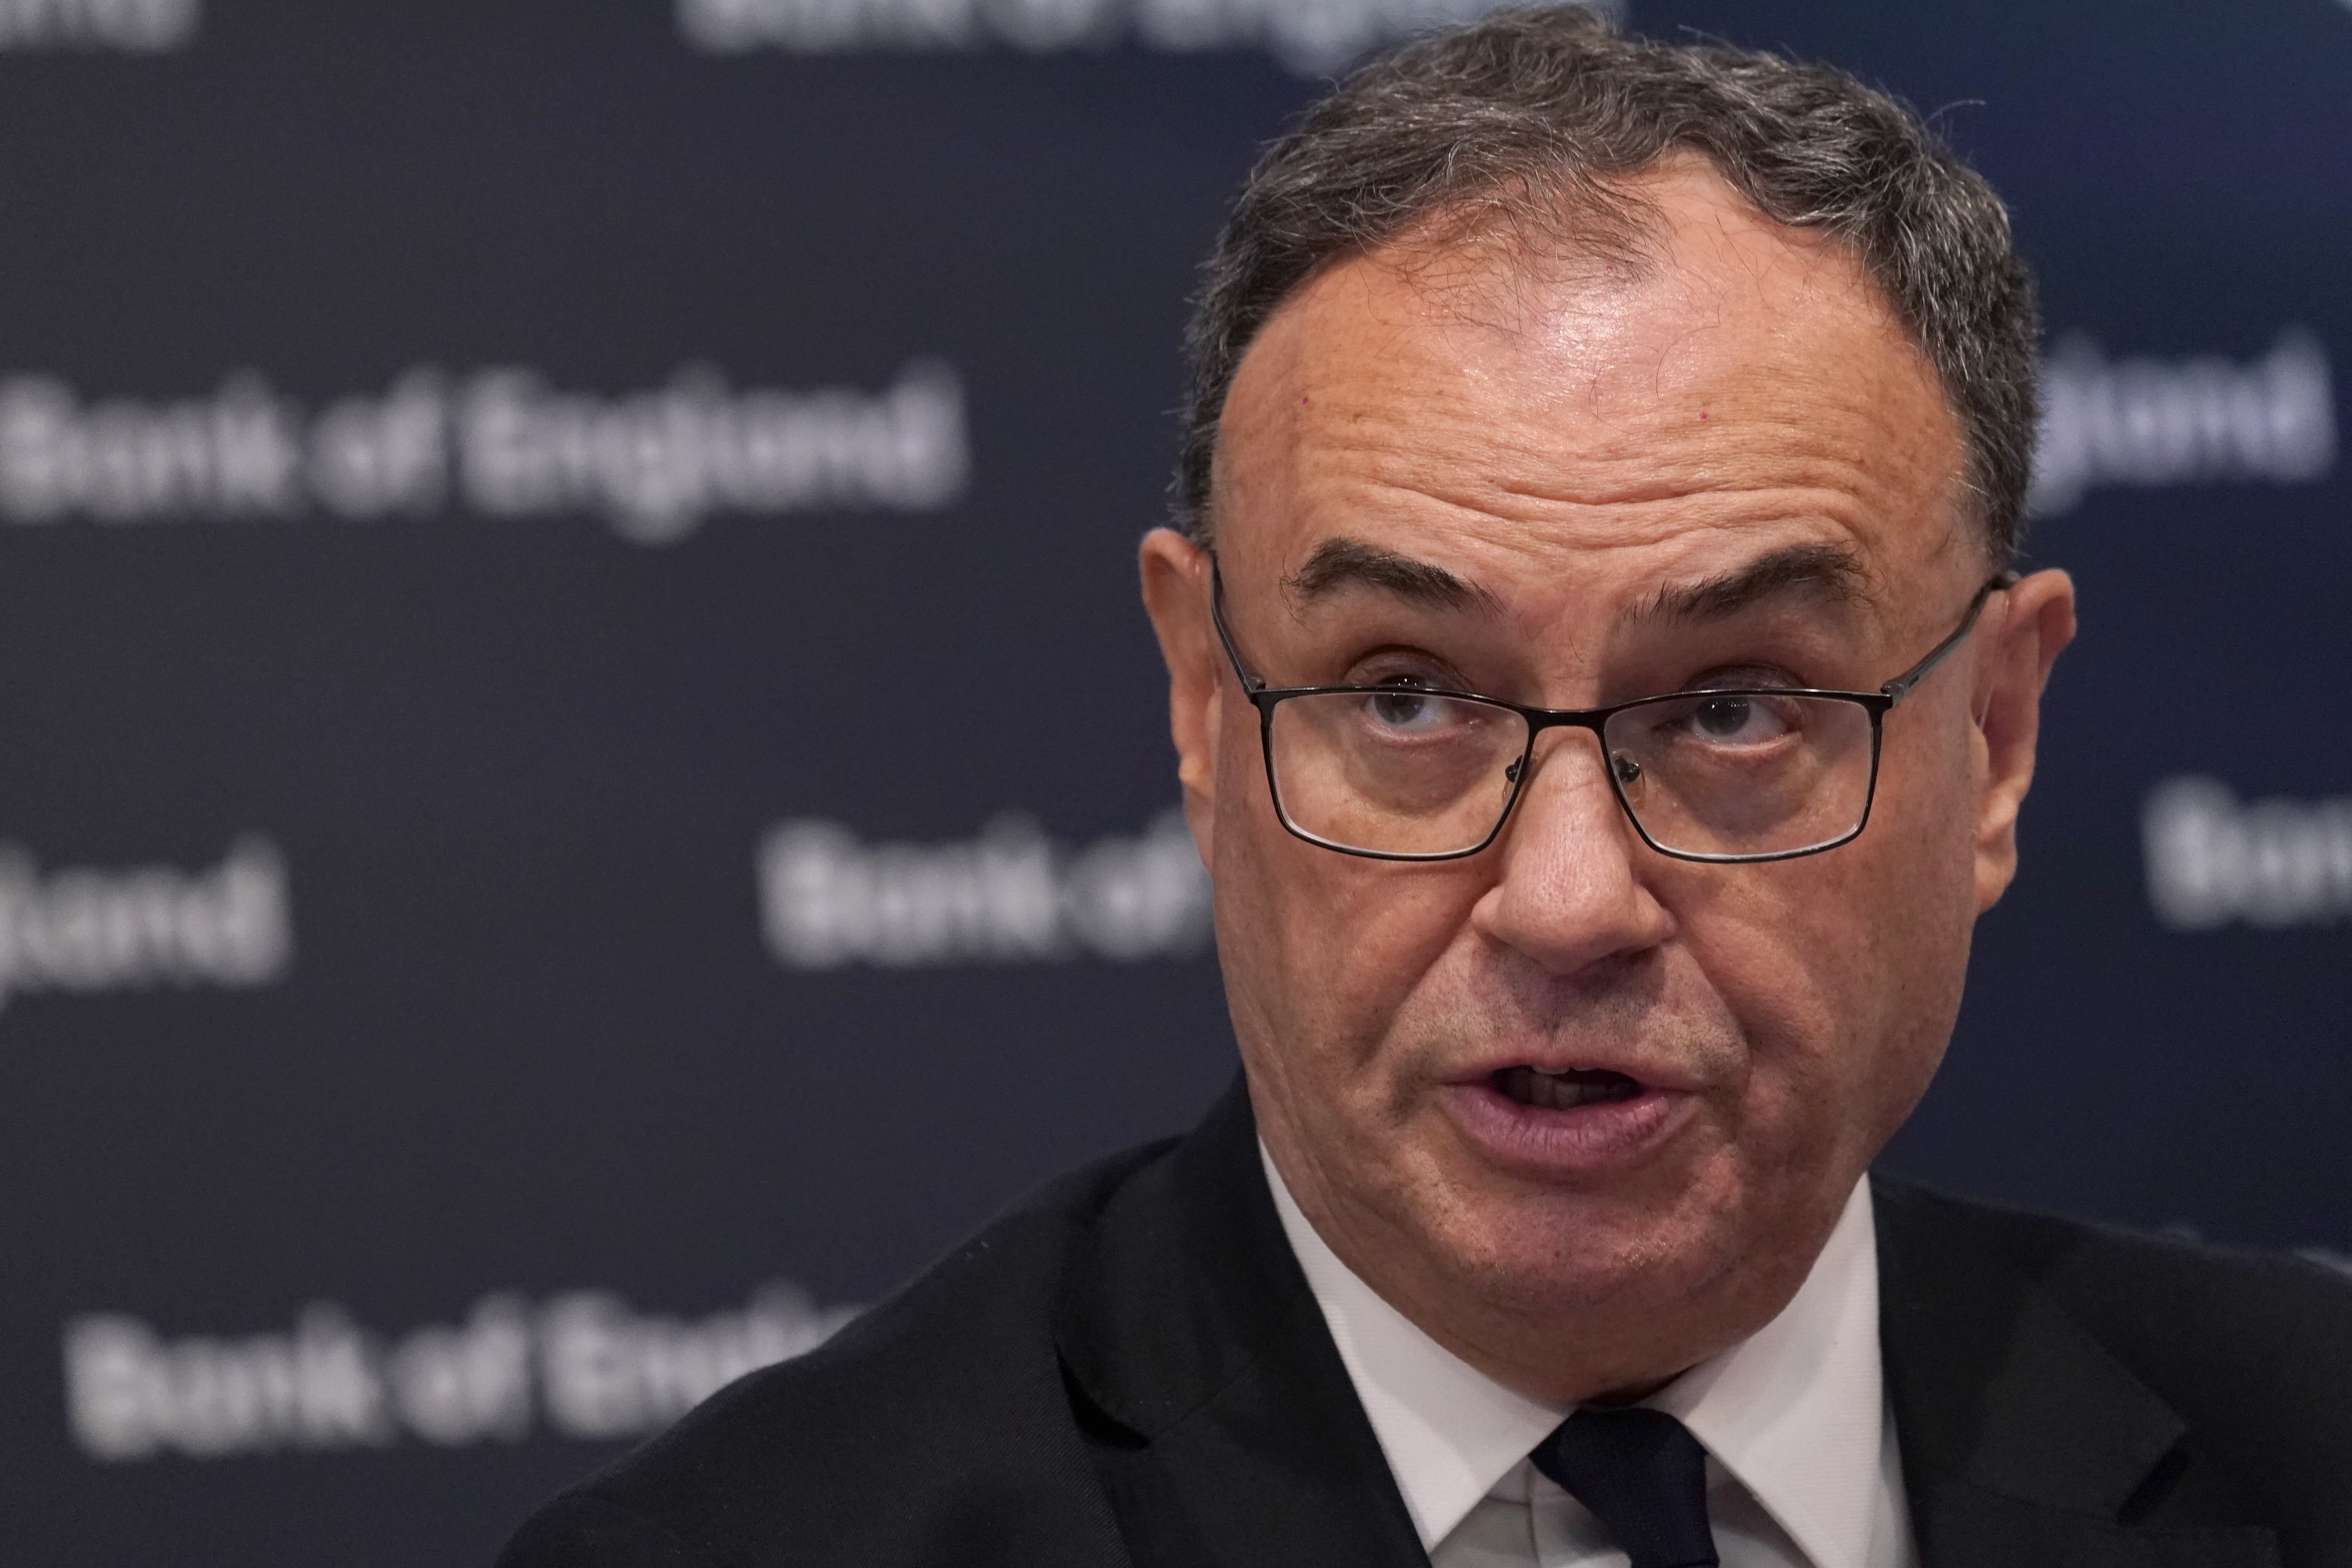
<point>1559,1252</point>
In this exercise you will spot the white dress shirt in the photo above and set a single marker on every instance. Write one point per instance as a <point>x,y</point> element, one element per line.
<point>1803,1469</point>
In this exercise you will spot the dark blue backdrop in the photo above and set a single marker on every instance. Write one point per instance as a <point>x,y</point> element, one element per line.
<point>537,864</point>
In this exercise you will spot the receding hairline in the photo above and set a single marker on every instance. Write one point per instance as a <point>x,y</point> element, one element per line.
<point>1615,232</point>
<point>1454,260</point>
<point>1554,96</point>
<point>1557,221</point>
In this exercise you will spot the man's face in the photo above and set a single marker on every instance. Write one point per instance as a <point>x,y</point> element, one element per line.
<point>1725,464</point>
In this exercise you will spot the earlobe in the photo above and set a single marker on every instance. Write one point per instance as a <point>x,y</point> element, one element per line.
<point>2036,624</point>
<point>1175,588</point>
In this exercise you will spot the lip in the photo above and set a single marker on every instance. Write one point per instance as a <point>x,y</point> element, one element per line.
<point>1666,1076</point>
<point>1590,1139</point>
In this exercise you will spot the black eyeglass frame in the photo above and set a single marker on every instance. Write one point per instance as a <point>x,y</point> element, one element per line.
<point>1266,699</point>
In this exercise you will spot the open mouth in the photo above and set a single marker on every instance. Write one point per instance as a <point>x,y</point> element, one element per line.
<point>1565,1089</point>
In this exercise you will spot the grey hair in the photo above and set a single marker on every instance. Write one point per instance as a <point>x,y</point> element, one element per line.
<point>1533,112</point>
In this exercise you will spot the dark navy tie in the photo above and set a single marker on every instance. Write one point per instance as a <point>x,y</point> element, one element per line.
<point>1643,1474</point>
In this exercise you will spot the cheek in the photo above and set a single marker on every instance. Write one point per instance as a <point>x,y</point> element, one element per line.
<point>1882,922</point>
<point>1845,972</point>
<point>1322,950</point>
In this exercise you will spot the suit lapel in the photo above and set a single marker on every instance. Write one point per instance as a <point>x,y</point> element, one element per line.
<point>2024,1442</point>
<point>1231,1431</point>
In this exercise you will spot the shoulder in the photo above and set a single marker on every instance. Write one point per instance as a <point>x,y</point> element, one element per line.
<point>935,1428</point>
<point>2249,1343</point>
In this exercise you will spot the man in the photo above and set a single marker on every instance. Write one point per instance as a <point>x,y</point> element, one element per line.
<point>1603,703</point>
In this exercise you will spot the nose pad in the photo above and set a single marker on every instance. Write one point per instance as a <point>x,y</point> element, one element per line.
<point>1620,770</point>
<point>1626,768</point>
<point>1568,889</point>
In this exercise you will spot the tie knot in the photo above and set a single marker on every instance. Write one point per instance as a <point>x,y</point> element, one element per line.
<point>1643,1474</point>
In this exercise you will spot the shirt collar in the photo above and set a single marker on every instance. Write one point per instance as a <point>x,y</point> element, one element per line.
<point>1794,1412</point>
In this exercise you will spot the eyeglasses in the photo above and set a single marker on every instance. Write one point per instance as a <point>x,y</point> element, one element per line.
<point>1729,775</point>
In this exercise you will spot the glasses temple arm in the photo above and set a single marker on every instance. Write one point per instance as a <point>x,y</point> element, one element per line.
<point>1250,683</point>
<point>1896,690</point>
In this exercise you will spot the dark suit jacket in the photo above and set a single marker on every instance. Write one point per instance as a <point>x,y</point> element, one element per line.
<point>1128,1369</point>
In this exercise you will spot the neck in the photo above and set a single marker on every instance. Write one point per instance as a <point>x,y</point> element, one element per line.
<point>1563,1349</point>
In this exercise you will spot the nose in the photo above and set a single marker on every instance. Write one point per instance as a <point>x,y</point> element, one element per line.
<point>1570,892</point>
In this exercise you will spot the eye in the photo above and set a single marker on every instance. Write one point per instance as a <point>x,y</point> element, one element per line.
<point>1736,720</point>
<point>1407,710</point>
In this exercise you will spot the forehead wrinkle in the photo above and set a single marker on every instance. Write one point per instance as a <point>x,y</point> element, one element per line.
<point>1553,526</point>
<point>1445,453</point>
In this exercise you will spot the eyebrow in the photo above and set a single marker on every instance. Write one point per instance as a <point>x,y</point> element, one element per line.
<point>1830,570</point>
<point>1340,563</point>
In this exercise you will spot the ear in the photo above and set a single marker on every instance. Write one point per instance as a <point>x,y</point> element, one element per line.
<point>2037,622</point>
<point>1176,594</point>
